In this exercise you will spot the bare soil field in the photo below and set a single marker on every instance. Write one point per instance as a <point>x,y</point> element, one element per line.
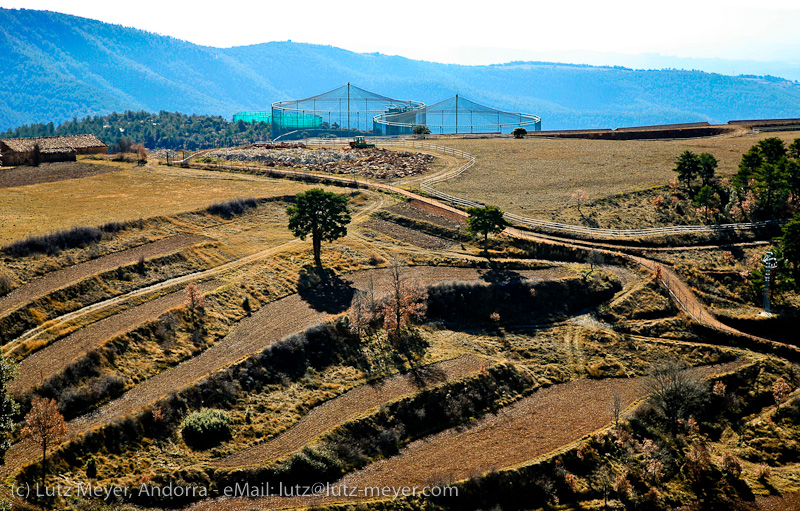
<point>536,177</point>
<point>50,172</point>
<point>130,194</point>
<point>421,211</point>
<point>408,235</point>
<point>532,427</point>
<point>57,279</point>
<point>46,362</point>
<point>347,407</point>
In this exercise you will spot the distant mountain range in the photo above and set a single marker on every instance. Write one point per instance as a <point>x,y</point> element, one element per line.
<point>56,67</point>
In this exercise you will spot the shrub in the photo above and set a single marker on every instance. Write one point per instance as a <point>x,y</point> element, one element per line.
<point>6,285</point>
<point>232,207</point>
<point>421,129</point>
<point>206,428</point>
<point>91,468</point>
<point>519,132</point>
<point>55,242</point>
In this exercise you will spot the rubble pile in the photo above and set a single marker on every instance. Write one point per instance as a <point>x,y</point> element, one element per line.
<point>378,163</point>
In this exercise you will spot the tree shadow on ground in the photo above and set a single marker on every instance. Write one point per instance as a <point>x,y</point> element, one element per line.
<point>427,375</point>
<point>324,291</point>
<point>500,276</point>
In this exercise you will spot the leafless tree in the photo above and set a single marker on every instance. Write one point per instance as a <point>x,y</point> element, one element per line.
<point>45,425</point>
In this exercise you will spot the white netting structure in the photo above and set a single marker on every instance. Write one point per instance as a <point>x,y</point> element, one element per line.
<point>347,107</point>
<point>457,115</point>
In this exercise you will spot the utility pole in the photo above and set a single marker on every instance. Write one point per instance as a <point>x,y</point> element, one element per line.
<point>770,263</point>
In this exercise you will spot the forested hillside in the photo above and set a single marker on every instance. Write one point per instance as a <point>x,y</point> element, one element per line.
<point>156,131</point>
<point>56,67</point>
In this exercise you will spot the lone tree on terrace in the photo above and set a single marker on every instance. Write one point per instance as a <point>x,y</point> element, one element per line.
<point>323,215</point>
<point>484,221</point>
<point>45,424</point>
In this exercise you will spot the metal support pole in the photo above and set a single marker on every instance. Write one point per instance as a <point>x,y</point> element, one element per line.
<point>456,114</point>
<point>770,263</point>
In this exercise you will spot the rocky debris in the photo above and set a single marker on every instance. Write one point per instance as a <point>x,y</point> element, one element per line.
<point>280,145</point>
<point>378,163</point>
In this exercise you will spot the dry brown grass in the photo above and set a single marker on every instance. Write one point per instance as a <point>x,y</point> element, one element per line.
<point>537,177</point>
<point>130,194</point>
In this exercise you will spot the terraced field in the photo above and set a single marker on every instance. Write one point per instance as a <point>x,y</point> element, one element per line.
<point>47,362</point>
<point>271,323</point>
<point>532,427</point>
<point>347,407</point>
<point>69,275</point>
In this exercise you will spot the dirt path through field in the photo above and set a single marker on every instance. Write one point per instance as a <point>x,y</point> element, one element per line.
<point>40,286</point>
<point>539,424</point>
<point>347,407</point>
<point>268,325</point>
<point>47,362</point>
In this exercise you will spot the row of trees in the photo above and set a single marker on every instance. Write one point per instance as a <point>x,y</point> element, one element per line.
<point>164,130</point>
<point>766,186</point>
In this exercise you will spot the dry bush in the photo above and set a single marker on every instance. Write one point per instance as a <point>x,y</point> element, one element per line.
<point>6,284</point>
<point>195,300</point>
<point>780,390</point>
<point>233,207</point>
<point>731,465</point>
<point>763,472</point>
<point>55,242</point>
<point>622,485</point>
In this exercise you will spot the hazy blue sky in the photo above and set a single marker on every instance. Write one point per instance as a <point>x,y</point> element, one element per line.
<point>469,32</point>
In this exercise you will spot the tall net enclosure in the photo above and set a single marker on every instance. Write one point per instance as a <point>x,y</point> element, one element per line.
<point>457,115</point>
<point>347,108</point>
<point>253,117</point>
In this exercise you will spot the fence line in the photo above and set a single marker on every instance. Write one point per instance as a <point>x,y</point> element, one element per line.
<point>691,307</point>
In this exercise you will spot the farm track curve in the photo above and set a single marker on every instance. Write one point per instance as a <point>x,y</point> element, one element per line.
<point>510,231</point>
<point>49,282</point>
<point>539,424</point>
<point>184,279</point>
<point>268,325</point>
<point>348,406</point>
<point>47,362</point>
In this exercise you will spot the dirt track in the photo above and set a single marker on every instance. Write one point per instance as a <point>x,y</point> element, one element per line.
<point>47,362</point>
<point>539,424</point>
<point>40,286</point>
<point>347,407</point>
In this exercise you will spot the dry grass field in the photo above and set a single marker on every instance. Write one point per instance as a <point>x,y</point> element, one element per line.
<point>536,177</point>
<point>129,194</point>
<point>260,287</point>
